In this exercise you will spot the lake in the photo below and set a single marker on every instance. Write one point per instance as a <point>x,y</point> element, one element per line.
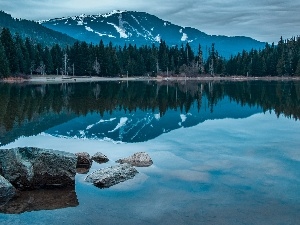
<point>223,152</point>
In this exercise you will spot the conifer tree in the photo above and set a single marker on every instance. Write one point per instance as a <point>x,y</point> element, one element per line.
<point>297,73</point>
<point>10,50</point>
<point>4,67</point>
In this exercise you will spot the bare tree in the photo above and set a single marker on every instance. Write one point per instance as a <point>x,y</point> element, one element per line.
<point>42,68</point>
<point>96,66</point>
<point>32,65</point>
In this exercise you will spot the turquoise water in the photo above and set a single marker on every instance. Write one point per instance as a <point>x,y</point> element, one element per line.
<point>236,164</point>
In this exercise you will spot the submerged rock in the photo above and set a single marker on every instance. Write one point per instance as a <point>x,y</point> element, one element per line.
<point>110,176</point>
<point>139,159</point>
<point>100,158</point>
<point>7,191</point>
<point>33,168</point>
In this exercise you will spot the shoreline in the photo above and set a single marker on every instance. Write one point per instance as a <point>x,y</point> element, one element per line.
<point>80,79</point>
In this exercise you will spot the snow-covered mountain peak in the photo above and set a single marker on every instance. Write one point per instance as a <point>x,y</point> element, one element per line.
<point>141,28</point>
<point>112,13</point>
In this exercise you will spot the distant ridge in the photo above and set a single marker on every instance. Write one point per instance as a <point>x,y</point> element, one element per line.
<point>36,32</point>
<point>141,28</point>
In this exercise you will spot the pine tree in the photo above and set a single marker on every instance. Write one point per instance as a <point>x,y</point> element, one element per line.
<point>10,50</point>
<point>19,53</point>
<point>4,68</point>
<point>297,73</point>
<point>200,60</point>
<point>57,55</point>
<point>47,59</point>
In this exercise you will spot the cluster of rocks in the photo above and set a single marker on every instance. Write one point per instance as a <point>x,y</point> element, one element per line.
<point>107,177</point>
<point>84,161</point>
<point>29,168</point>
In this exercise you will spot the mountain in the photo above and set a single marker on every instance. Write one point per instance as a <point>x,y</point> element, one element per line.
<point>34,31</point>
<point>141,28</point>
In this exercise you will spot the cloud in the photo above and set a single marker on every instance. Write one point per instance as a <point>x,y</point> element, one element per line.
<point>265,20</point>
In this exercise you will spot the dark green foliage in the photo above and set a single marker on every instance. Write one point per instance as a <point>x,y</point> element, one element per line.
<point>4,67</point>
<point>83,59</point>
<point>280,60</point>
<point>10,50</point>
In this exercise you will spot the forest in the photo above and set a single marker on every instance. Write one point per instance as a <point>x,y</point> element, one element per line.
<point>19,57</point>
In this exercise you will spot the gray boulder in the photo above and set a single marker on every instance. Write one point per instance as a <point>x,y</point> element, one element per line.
<point>139,159</point>
<point>34,168</point>
<point>110,176</point>
<point>100,158</point>
<point>7,191</point>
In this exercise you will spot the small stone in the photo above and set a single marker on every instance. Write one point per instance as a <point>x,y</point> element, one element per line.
<point>110,176</point>
<point>139,159</point>
<point>100,158</point>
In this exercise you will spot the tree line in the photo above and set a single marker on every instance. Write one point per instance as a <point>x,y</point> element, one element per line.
<point>22,57</point>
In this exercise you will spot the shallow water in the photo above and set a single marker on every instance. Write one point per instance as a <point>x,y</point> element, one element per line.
<point>234,164</point>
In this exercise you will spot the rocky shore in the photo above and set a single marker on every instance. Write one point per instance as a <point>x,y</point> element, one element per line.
<point>38,79</point>
<point>25,169</point>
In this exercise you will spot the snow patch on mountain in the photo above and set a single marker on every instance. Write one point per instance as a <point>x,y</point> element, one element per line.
<point>109,35</point>
<point>121,31</point>
<point>89,29</point>
<point>136,20</point>
<point>157,38</point>
<point>184,37</point>
<point>112,13</point>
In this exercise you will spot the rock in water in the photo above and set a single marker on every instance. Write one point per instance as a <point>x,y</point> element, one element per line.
<point>83,159</point>
<point>110,176</point>
<point>100,158</point>
<point>33,168</point>
<point>84,162</point>
<point>7,191</point>
<point>139,159</point>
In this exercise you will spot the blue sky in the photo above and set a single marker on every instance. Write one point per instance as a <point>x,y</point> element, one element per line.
<point>264,20</point>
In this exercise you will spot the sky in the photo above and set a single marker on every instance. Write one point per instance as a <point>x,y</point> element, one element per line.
<point>263,20</point>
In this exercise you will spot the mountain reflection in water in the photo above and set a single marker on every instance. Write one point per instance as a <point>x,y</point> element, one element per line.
<point>135,111</point>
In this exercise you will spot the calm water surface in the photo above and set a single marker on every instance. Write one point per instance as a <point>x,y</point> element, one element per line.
<point>223,153</point>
